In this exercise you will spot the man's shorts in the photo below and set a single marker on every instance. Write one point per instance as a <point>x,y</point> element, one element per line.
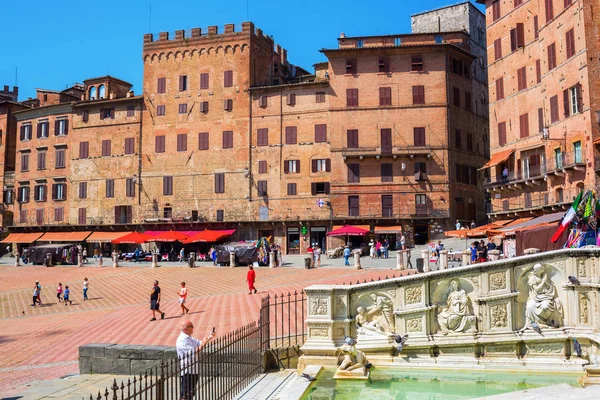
<point>154,305</point>
<point>181,300</point>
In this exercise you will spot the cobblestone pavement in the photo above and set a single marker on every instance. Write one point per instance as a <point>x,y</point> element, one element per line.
<point>42,343</point>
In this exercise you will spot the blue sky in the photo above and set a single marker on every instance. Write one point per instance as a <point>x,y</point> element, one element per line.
<point>54,44</point>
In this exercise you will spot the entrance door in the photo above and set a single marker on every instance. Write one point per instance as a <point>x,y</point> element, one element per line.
<point>317,236</point>
<point>421,233</point>
<point>293,241</point>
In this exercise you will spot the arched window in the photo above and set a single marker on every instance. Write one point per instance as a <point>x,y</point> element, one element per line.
<point>101,92</point>
<point>93,93</point>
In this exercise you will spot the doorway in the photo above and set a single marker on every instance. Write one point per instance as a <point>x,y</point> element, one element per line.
<point>421,233</point>
<point>318,236</point>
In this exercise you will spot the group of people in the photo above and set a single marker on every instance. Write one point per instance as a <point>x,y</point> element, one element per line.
<point>63,294</point>
<point>379,249</point>
<point>479,250</point>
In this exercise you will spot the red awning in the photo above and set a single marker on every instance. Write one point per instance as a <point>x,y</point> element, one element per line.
<point>132,238</point>
<point>65,236</point>
<point>105,237</point>
<point>209,235</point>
<point>166,236</point>
<point>348,230</point>
<point>22,237</point>
<point>498,158</point>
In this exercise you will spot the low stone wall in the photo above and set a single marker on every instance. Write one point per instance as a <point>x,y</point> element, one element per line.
<point>122,359</point>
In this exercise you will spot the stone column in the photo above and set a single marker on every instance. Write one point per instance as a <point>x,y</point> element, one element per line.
<point>272,259</point>
<point>79,259</point>
<point>425,256</point>
<point>533,250</point>
<point>17,260</point>
<point>115,259</point>
<point>443,261</point>
<point>357,259</point>
<point>405,257</point>
<point>192,261</point>
<point>399,260</point>
<point>48,259</point>
<point>232,259</point>
<point>493,255</point>
<point>154,260</point>
<point>466,257</point>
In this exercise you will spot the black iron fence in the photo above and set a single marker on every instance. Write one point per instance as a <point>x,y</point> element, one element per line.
<point>226,365</point>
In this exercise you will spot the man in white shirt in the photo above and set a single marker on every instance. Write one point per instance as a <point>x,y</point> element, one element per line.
<point>457,225</point>
<point>187,347</point>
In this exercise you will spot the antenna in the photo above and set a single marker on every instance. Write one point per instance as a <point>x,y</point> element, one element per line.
<point>150,19</point>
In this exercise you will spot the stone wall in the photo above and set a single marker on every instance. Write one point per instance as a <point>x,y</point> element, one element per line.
<point>473,316</point>
<point>122,359</point>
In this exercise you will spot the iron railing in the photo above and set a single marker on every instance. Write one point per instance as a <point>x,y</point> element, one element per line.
<point>227,364</point>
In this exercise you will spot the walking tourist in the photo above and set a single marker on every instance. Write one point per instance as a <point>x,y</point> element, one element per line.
<point>346,255</point>
<point>457,225</point>
<point>36,294</point>
<point>155,302</point>
<point>372,248</point>
<point>85,288</point>
<point>317,251</point>
<point>84,256</point>
<point>96,253</point>
<point>402,241</point>
<point>182,297</point>
<point>181,255</point>
<point>59,291</point>
<point>473,226</point>
<point>187,346</point>
<point>67,296</point>
<point>8,250</point>
<point>37,283</point>
<point>386,248</point>
<point>213,255</point>
<point>251,278</point>
<point>378,249</point>
<point>473,252</point>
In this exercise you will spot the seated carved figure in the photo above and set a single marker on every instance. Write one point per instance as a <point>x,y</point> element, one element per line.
<point>543,306</point>
<point>364,327</point>
<point>353,358</point>
<point>456,315</point>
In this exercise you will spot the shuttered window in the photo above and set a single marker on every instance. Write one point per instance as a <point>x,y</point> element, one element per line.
<point>159,144</point>
<point>110,188</point>
<point>385,139</point>
<point>227,139</point>
<point>551,56</point>
<point>228,104</point>
<point>467,101</point>
<point>351,66</point>
<point>262,137</point>
<point>570,42</point>
<point>291,189</point>
<point>39,193</point>
<point>536,27</point>
<point>456,96</point>
<point>320,133</point>
<point>290,99</point>
<point>291,135</point>
<point>106,148</point>
<point>39,216</point>
<point>387,205</point>
<point>499,89</point>
<point>262,167</point>
<point>496,10</point>
<point>538,71</point>
<point>81,216</point>
<point>566,103</point>
<point>353,173</point>
<point>23,216</point>
<point>203,141</point>
<point>353,206</point>
<point>263,101</point>
<point>160,110</point>
<point>321,165</point>
<point>540,120</point>
<point>129,145</point>
<point>419,136</point>
<point>204,107</point>
<point>387,173</point>
<point>24,162</point>
<point>458,138</point>
<point>554,116</point>
<point>385,96</point>
<point>59,191</point>
<point>418,93</point>
<point>228,78</point>
<point>549,10</point>
<point>59,214</point>
<point>352,97</point>
<point>183,83</point>
<point>41,160</point>
<point>502,133</point>
<point>524,125</point>
<point>61,127</point>
<point>85,115</point>
<point>83,190</point>
<point>25,133</point>
<point>417,63</point>
<point>320,97</point>
<point>130,187</point>
<point>291,167</point>
<point>167,185</point>
<point>161,86</point>
<point>42,129</point>
<point>384,65</point>
<point>204,80</point>
<point>182,142</point>
<point>183,108</point>
<point>107,113</point>
<point>130,111</point>
<point>522,78</point>
<point>497,49</point>
<point>352,138</point>
<point>262,188</point>
<point>60,158</point>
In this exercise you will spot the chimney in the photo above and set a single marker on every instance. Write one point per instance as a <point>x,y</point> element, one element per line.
<point>112,95</point>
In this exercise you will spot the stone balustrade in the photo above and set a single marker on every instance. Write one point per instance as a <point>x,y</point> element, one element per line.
<point>472,316</point>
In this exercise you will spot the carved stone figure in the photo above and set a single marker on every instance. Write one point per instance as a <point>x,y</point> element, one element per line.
<point>365,325</point>
<point>457,314</point>
<point>353,358</point>
<point>383,312</point>
<point>543,306</point>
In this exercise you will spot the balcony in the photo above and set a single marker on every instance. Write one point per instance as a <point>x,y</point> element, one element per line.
<point>385,151</point>
<point>558,200</point>
<point>408,211</point>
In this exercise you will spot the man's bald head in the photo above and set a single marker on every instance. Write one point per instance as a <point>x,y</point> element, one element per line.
<point>186,325</point>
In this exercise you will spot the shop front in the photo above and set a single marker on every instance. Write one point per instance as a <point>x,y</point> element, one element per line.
<point>390,233</point>
<point>318,236</point>
<point>293,240</point>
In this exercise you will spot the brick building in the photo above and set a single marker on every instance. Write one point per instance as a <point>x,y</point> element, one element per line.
<point>544,123</point>
<point>388,133</point>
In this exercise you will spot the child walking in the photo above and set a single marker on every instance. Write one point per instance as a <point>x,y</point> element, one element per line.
<point>36,295</point>
<point>59,291</point>
<point>66,295</point>
<point>182,297</point>
<point>250,278</point>
<point>85,288</point>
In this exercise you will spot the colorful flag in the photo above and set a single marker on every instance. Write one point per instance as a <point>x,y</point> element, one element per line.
<point>568,217</point>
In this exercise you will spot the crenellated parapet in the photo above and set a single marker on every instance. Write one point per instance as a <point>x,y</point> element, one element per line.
<point>473,316</point>
<point>211,41</point>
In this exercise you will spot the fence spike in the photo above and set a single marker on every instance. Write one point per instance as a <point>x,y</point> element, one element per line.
<point>386,277</point>
<point>394,275</point>
<point>372,280</point>
<point>364,281</point>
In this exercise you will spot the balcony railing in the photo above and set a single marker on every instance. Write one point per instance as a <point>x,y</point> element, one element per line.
<point>408,211</point>
<point>532,201</point>
<point>386,151</point>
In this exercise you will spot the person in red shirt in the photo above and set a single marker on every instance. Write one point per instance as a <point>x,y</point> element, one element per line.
<point>182,297</point>
<point>250,278</point>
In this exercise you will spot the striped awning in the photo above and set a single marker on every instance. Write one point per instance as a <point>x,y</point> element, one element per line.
<point>22,237</point>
